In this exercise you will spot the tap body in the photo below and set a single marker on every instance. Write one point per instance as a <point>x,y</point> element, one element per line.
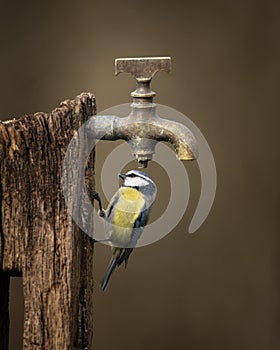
<point>143,128</point>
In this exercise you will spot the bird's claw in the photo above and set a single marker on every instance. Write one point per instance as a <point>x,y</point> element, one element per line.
<point>95,195</point>
<point>101,213</point>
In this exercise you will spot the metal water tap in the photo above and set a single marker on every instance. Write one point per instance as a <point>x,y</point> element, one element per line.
<point>143,128</point>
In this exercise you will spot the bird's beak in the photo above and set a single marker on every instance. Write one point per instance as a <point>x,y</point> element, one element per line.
<point>122,176</point>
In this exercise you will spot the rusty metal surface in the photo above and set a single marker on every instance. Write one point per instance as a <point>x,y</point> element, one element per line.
<point>143,136</point>
<point>142,68</point>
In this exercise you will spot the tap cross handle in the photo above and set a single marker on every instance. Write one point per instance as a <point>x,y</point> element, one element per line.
<point>142,69</point>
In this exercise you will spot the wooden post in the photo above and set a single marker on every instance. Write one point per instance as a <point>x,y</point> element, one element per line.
<point>38,238</point>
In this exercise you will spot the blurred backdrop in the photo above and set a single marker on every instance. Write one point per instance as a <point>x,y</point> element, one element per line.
<point>217,289</point>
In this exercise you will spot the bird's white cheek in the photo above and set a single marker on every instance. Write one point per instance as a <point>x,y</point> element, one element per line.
<point>135,182</point>
<point>129,182</point>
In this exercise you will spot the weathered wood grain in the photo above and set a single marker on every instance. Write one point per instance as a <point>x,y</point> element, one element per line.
<point>38,238</point>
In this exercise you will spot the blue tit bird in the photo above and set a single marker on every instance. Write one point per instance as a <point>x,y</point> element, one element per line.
<point>126,216</point>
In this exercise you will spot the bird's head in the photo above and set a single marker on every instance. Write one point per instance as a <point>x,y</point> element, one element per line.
<point>137,179</point>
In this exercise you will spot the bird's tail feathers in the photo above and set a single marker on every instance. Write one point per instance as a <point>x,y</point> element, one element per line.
<point>124,256</point>
<point>110,269</point>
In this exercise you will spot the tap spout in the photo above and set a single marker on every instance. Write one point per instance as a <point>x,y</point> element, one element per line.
<point>143,136</point>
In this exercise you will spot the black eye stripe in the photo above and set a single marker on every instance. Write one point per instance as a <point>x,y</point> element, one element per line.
<point>133,175</point>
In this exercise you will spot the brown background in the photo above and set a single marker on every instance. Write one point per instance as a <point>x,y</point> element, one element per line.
<point>219,288</point>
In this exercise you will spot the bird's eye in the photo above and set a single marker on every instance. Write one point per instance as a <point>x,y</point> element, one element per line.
<point>131,175</point>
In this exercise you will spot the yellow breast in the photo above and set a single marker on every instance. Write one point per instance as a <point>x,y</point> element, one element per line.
<point>126,211</point>
<point>128,207</point>
<point>130,194</point>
